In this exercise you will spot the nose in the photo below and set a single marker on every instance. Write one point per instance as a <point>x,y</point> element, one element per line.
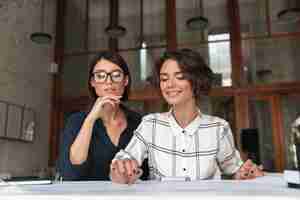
<point>170,82</point>
<point>109,79</point>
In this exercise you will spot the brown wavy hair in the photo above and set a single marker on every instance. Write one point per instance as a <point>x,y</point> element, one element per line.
<point>194,68</point>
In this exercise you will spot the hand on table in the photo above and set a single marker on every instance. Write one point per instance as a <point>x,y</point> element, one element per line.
<point>125,171</point>
<point>249,170</point>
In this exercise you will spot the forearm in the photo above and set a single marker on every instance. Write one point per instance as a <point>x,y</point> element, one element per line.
<point>80,147</point>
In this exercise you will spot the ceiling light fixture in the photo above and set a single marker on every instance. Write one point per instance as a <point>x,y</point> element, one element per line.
<point>200,22</point>
<point>291,13</point>
<point>114,29</point>
<point>41,37</point>
<point>141,42</point>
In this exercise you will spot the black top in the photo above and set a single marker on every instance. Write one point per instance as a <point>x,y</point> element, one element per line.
<point>101,150</point>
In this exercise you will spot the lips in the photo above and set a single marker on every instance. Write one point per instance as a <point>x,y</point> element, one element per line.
<point>172,93</point>
<point>110,91</point>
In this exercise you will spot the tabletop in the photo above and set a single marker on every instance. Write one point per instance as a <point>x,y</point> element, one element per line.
<point>271,186</point>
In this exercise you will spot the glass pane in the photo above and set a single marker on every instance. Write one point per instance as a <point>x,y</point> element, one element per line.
<point>130,19</point>
<point>291,111</point>
<point>221,106</point>
<point>218,57</point>
<point>153,23</point>
<point>74,76</point>
<point>215,11</point>
<point>283,25</point>
<point>75,31</point>
<point>271,60</point>
<point>141,64</point>
<point>259,138</point>
<point>253,17</point>
<point>98,20</point>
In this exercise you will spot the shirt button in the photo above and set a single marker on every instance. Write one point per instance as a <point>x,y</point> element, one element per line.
<point>183,131</point>
<point>184,169</point>
<point>183,150</point>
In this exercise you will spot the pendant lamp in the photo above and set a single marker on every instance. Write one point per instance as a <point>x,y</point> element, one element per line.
<point>199,22</point>
<point>291,13</point>
<point>41,37</point>
<point>114,29</point>
<point>141,41</point>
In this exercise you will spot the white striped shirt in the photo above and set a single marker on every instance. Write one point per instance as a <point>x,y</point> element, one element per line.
<point>197,151</point>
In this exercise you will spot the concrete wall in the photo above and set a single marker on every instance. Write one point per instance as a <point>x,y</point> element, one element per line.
<point>25,80</point>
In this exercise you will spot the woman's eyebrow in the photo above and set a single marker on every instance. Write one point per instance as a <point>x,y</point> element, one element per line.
<point>101,70</point>
<point>165,74</point>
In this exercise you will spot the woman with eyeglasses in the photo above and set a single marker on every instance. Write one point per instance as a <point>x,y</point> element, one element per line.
<point>183,142</point>
<point>91,139</point>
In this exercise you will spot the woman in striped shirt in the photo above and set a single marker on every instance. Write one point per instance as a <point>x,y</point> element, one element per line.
<point>183,142</point>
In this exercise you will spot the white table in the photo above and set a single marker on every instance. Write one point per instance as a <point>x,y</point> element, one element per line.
<point>270,187</point>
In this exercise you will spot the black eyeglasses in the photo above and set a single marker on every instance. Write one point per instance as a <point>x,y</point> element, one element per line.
<point>116,76</point>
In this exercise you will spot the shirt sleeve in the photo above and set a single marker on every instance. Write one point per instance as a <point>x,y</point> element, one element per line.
<point>137,148</point>
<point>228,156</point>
<point>66,169</point>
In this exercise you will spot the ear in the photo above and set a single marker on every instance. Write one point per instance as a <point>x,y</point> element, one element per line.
<point>126,81</point>
<point>92,82</point>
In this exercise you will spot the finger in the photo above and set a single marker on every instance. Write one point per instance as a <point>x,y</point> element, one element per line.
<point>113,170</point>
<point>261,167</point>
<point>120,170</point>
<point>248,164</point>
<point>113,98</point>
<point>116,176</point>
<point>101,101</point>
<point>242,173</point>
<point>256,171</point>
<point>129,166</point>
<point>110,101</point>
<point>113,165</point>
<point>138,173</point>
<point>105,102</point>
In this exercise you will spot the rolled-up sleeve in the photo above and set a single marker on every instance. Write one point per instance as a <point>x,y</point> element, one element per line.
<point>137,147</point>
<point>228,156</point>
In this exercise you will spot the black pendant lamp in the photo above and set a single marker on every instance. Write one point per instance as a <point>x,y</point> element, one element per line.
<point>199,22</point>
<point>291,13</point>
<point>114,29</point>
<point>141,41</point>
<point>41,37</point>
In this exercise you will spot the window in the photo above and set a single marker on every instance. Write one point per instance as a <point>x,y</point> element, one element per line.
<point>219,57</point>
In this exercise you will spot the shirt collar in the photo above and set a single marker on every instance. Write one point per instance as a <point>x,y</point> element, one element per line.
<point>188,130</point>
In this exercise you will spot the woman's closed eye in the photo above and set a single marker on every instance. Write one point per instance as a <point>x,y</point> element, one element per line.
<point>178,76</point>
<point>163,78</point>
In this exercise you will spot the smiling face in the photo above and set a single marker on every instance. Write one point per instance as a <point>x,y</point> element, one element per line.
<point>175,88</point>
<point>107,86</point>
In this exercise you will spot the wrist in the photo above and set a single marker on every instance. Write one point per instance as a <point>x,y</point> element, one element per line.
<point>90,119</point>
